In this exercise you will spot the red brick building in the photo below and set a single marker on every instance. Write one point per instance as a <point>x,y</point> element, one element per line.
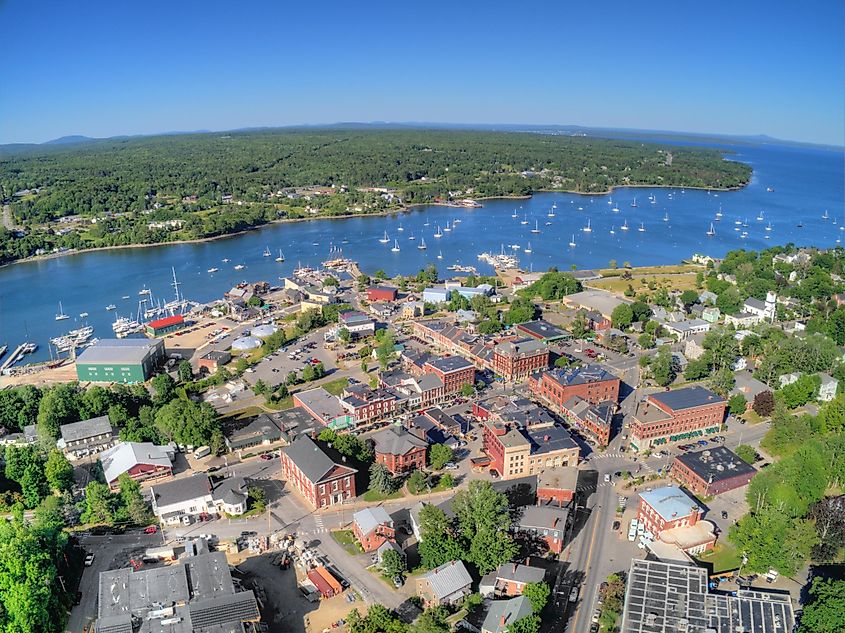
<point>676,416</point>
<point>557,486</point>
<point>596,421</point>
<point>365,404</point>
<point>711,471</point>
<point>672,516</point>
<point>546,523</point>
<point>319,475</point>
<point>381,293</point>
<point>516,360</point>
<point>592,383</point>
<point>373,527</point>
<point>399,450</point>
<point>454,371</point>
<point>517,451</point>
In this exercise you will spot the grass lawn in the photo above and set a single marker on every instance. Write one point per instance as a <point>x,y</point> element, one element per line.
<point>347,540</point>
<point>373,495</point>
<point>723,557</point>
<point>243,414</point>
<point>683,281</point>
<point>284,403</point>
<point>752,417</point>
<point>336,387</point>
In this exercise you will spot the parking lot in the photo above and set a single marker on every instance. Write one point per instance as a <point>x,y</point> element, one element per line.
<point>274,368</point>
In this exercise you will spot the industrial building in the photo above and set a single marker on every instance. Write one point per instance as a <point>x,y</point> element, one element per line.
<point>166,325</point>
<point>120,360</point>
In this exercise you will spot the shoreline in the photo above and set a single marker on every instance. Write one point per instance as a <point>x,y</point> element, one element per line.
<point>403,209</point>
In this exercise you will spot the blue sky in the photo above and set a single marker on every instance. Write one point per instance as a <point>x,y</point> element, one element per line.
<point>102,68</point>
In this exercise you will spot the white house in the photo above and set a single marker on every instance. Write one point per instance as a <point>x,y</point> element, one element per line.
<point>827,390</point>
<point>185,499</point>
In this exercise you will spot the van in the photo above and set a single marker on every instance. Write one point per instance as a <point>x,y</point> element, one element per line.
<point>201,452</point>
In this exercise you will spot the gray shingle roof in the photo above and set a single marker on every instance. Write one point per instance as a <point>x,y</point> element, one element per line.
<point>311,459</point>
<point>520,573</point>
<point>369,519</point>
<point>503,613</point>
<point>394,441</point>
<point>87,428</point>
<point>182,489</point>
<point>448,578</point>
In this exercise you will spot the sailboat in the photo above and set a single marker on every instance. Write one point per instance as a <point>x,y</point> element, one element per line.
<point>572,241</point>
<point>514,214</point>
<point>528,249</point>
<point>524,220</point>
<point>266,252</point>
<point>111,307</point>
<point>719,212</point>
<point>760,217</point>
<point>422,245</point>
<point>588,228</point>
<point>412,237</point>
<point>440,255</point>
<point>385,239</point>
<point>634,202</point>
<point>438,233</point>
<point>653,199</point>
<point>769,226</point>
<point>624,226</point>
<point>395,248</point>
<point>825,216</point>
<point>536,228</point>
<point>551,212</point>
<point>613,230</point>
<point>615,208</point>
<point>225,260</point>
<point>281,257</point>
<point>447,228</point>
<point>61,316</point>
<point>642,228</point>
<point>666,217</point>
<point>712,231</point>
<point>610,201</point>
<point>401,228</point>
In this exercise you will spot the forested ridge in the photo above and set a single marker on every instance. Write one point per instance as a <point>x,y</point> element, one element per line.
<point>185,177</point>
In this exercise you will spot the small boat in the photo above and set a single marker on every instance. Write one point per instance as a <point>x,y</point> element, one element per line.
<point>437,233</point>
<point>745,223</point>
<point>615,208</point>
<point>212,270</point>
<point>642,228</point>
<point>634,203</point>
<point>572,241</point>
<point>440,255</point>
<point>422,245</point>
<point>653,199</point>
<point>385,239</point>
<point>536,228</point>
<point>61,316</point>
<point>760,217</point>
<point>825,216</point>
<point>456,221</point>
<point>125,297</point>
<point>239,267</point>
<point>548,223</point>
<point>712,231</point>
<point>624,226</point>
<point>83,315</point>
<point>426,223</point>
<point>588,228</point>
<point>266,252</point>
<point>613,230</point>
<point>769,226</point>
<point>666,217</point>
<point>225,260</point>
<point>395,248</point>
<point>610,201</point>
<point>401,228</point>
<point>411,238</point>
<point>719,212</point>
<point>144,291</point>
<point>770,189</point>
<point>524,220</point>
<point>800,224</point>
<point>528,248</point>
<point>281,257</point>
<point>315,243</point>
<point>111,307</point>
<point>344,241</point>
<point>514,214</point>
<point>737,222</point>
<point>551,212</point>
<point>447,228</point>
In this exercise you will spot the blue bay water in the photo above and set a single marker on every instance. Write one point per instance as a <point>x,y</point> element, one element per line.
<point>806,182</point>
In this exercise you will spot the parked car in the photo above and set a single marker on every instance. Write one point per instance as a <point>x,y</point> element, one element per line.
<point>573,595</point>
<point>151,530</point>
<point>451,466</point>
<point>89,559</point>
<point>724,514</point>
<point>398,582</point>
<point>606,478</point>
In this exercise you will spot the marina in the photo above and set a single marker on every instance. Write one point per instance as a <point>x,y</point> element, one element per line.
<point>109,284</point>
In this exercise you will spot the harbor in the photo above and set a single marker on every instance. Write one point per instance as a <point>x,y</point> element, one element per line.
<point>124,288</point>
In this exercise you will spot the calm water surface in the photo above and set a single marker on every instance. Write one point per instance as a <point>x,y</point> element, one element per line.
<point>806,182</point>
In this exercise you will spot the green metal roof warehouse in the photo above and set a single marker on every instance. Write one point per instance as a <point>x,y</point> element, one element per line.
<point>120,360</point>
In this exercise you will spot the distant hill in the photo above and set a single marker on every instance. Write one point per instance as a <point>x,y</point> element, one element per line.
<point>68,140</point>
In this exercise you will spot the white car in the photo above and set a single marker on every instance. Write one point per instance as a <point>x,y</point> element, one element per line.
<point>606,478</point>
<point>89,559</point>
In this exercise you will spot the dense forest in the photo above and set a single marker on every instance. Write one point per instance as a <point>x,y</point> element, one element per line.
<point>185,177</point>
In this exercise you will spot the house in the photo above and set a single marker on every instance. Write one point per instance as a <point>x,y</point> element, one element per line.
<point>510,579</point>
<point>381,293</point>
<point>445,585</point>
<point>694,347</point>
<point>320,475</point>
<point>399,450</point>
<point>436,295</point>
<point>357,323</point>
<point>557,486</point>
<point>711,471</point>
<point>708,298</point>
<point>748,386</point>
<point>711,314</point>
<point>685,329</point>
<point>188,498</point>
<point>828,387</point>
<point>503,613</point>
<point>544,522</point>
<point>788,379</point>
<point>88,437</point>
<point>195,594</point>
<point>444,421</point>
<point>212,360</point>
<point>413,309</point>
<point>671,515</point>
<point>142,461</point>
<point>373,527</point>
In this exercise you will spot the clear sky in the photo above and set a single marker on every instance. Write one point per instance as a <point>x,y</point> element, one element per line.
<point>106,67</point>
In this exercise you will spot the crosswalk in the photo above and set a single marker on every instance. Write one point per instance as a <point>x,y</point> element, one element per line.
<point>613,454</point>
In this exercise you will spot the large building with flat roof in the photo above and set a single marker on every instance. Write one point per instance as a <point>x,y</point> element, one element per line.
<point>668,598</point>
<point>593,383</point>
<point>676,416</point>
<point>516,451</point>
<point>712,471</point>
<point>120,360</point>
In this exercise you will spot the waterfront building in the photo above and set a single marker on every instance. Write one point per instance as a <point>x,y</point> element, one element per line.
<point>120,360</point>
<point>381,293</point>
<point>160,327</point>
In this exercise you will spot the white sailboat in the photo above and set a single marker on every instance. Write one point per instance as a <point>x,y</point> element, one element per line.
<point>401,228</point>
<point>440,255</point>
<point>281,257</point>
<point>438,233</point>
<point>551,212</point>
<point>769,226</point>
<point>719,212</point>
<point>514,214</point>
<point>61,316</point>
<point>666,217</point>
<point>572,241</point>
<point>266,252</point>
<point>239,267</point>
<point>712,231</point>
<point>536,228</point>
<point>395,248</point>
<point>447,228</point>
<point>642,228</point>
<point>422,245</point>
<point>528,248</point>
<point>524,220</point>
<point>634,202</point>
<point>760,217</point>
<point>588,228</point>
<point>412,237</point>
<point>613,230</point>
<point>825,216</point>
<point>610,201</point>
<point>624,226</point>
<point>385,239</point>
<point>615,208</point>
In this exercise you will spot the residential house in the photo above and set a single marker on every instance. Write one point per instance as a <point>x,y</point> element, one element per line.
<point>188,498</point>
<point>828,387</point>
<point>502,614</point>
<point>320,475</point>
<point>510,579</point>
<point>544,522</point>
<point>399,450</point>
<point>373,527</point>
<point>446,585</point>
<point>88,437</point>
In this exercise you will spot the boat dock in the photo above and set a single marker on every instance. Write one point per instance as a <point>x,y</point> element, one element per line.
<point>13,357</point>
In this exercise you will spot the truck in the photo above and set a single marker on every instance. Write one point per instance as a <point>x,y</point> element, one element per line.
<point>201,452</point>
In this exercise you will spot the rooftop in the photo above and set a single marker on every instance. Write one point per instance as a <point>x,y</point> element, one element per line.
<point>600,300</point>
<point>447,579</point>
<point>183,489</point>
<point>396,441</point>
<point>119,459</point>
<point>563,478</point>
<point>119,350</point>
<point>669,598</point>
<point>321,403</point>
<point>369,519</point>
<point>313,460</point>
<point>715,464</point>
<point>449,364</point>
<point>503,613</point>
<point>526,347</point>
<point>687,398</point>
<point>543,517</point>
<point>670,502</point>
<point>583,375</point>
<point>541,329</point>
<point>517,572</point>
<point>86,428</point>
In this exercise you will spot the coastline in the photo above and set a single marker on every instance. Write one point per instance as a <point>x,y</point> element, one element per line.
<point>385,213</point>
